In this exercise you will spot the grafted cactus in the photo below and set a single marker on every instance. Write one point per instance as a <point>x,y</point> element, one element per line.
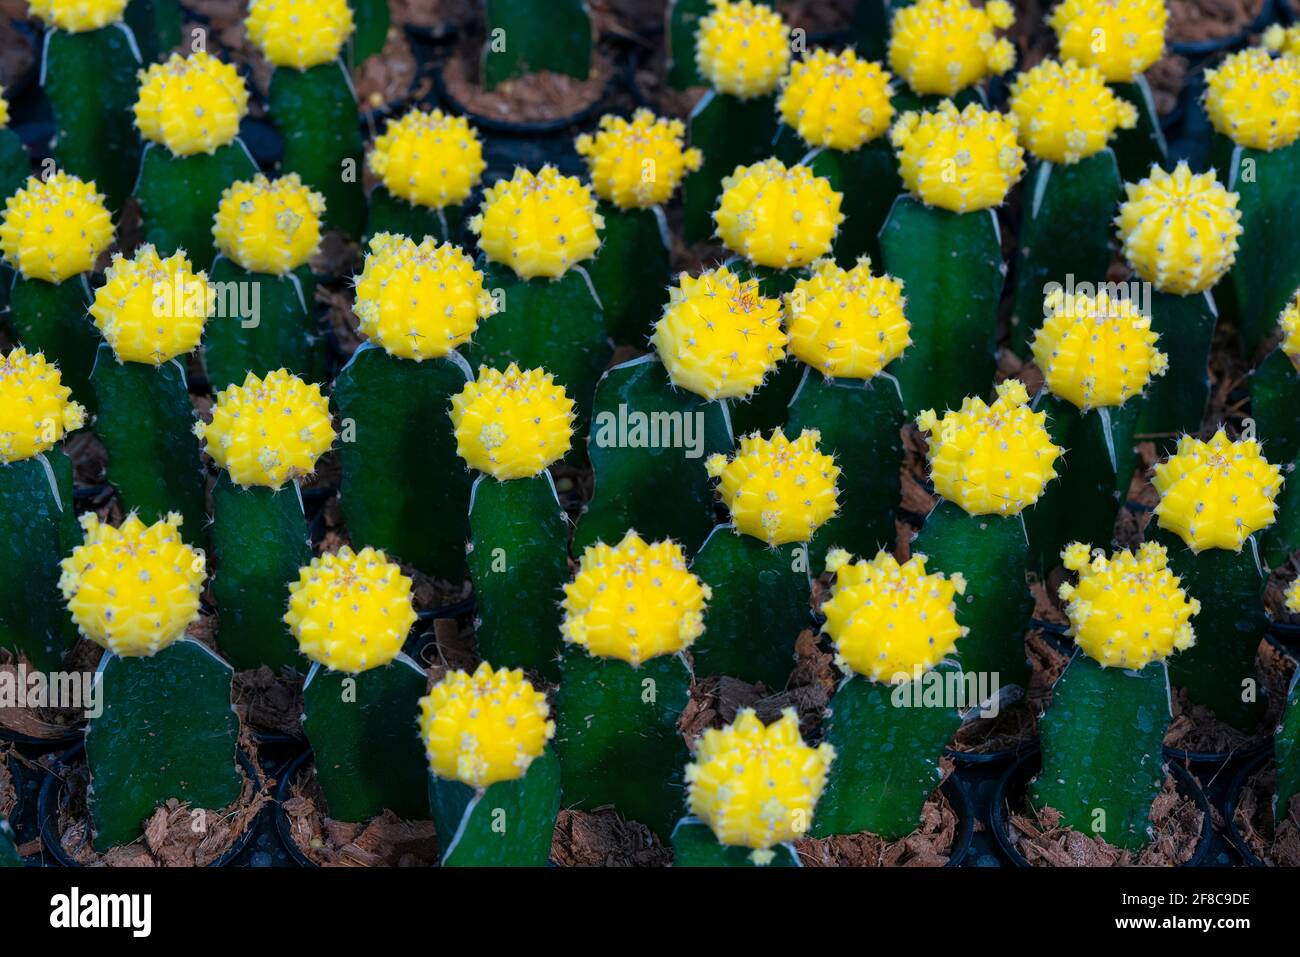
<point>942,47</point>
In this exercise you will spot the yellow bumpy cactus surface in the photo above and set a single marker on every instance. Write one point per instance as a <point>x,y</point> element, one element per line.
<point>1254,99</point>
<point>891,622</point>
<point>152,309</point>
<point>4,110</point>
<point>78,16</point>
<point>776,489</point>
<point>512,424</point>
<point>350,611</point>
<point>1128,610</point>
<point>299,33</point>
<point>55,228</point>
<point>847,323</point>
<point>538,224</point>
<point>134,589</point>
<point>429,158</point>
<point>1121,38</point>
<point>1216,494</point>
<point>637,163</point>
<point>269,430</point>
<point>991,459</point>
<point>419,301</point>
<point>719,336</point>
<point>633,601</point>
<point>959,160</point>
<point>1291,597</point>
<point>742,48</point>
<point>269,226</point>
<point>1284,40</point>
<point>191,104</point>
<point>836,100</point>
<point>35,406</point>
<point>1066,112</point>
<point>1179,229</point>
<point>942,46</point>
<point>777,216</point>
<point>484,727</point>
<point>756,786</point>
<point>1289,323</point>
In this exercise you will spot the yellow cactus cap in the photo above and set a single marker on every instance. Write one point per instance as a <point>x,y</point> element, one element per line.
<point>847,323</point>
<point>1289,322</point>
<point>419,301</point>
<point>960,161</point>
<point>269,430</point>
<point>1216,494</point>
<point>151,309</point>
<point>512,424</point>
<point>778,216</point>
<point>776,489</point>
<point>1291,596</point>
<point>135,589</point>
<point>35,406</point>
<point>1066,112</point>
<point>942,46</point>
<point>1179,229</point>
<point>484,727</point>
<point>299,33</point>
<point>429,158</point>
<point>191,104</point>
<point>55,228</point>
<point>538,224</point>
<point>4,110</point>
<point>78,16</point>
<point>891,622</point>
<point>1284,40</point>
<point>633,601</point>
<point>991,459</point>
<point>836,100</point>
<point>756,786</point>
<point>1121,38</point>
<point>742,48</point>
<point>638,163</point>
<point>269,225</point>
<point>1126,611</point>
<point>1254,99</point>
<point>350,611</point>
<point>1095,350</point>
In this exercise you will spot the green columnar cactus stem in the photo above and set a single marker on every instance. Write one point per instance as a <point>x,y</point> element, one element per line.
<point>683,21</point>
<point>15,164</point>
<point>768,407</point>
<point>695,846</point>
<point>630,271</point>
<point>372,19</point>
<point>1279,540</point>
<point>730,132</point>
<point>1175,402</point>
<point>528,36</point>
<point>869,29</point>
<point>868,179</point>
<point>1275,407</point>
<point>391,214</point>
<point>156,25</point>
<point>8,849</point>
<point>52,319</point>
<point>1286,750</point>
<point>1139,148</point>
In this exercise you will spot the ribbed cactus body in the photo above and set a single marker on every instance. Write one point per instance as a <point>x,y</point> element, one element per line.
<point>631,271</point>
<point>535,35</point>
<point>178,194</point>
<point>1175,402</point>
<point>1286,750</point>
<point>694,845</point>
<point>156,25</point>
<point>392,214</point>
<point>1274,391</point>
<point>15,162</point>
<point>53,320</point>
<point>730,132</point>
<point>372,19</point>
<point>869,181</point>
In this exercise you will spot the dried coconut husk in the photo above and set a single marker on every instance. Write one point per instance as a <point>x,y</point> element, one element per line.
<point>1191,21</point>
<point>1196,729</point>
<point>390,77</point>
<point>8,790</point>
<point>536,98</point>
<point>601,838</point>
<point>269,702</point>
<point>1276,845</point>
<point>653,87</point>
<point>49,723</point>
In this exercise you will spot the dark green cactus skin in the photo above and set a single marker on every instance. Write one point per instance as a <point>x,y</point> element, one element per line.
<point>53,320</point>
<point>259,540</point>
<point>1175,401</point>
<point>362,728</point>
<point>730,132</point>
<point>869,31</point>
<point>15,164</point>
<point>552,35</point>
<point>519,561</point>
<point>868,179</point>
<point>630,272</point>
<point>508,824</point>
<point>745,638</point>
<point>1275,406</point>
<point>695,846</point>
<point>633,483</point>
<point>952,307</point>
<point>372,20</point>
<point>992,553</point>
<point>396,437</point>
<point>683,22</point>
<point>391,214</point>
<point>616,736</point>
<point>37,531</point>
<point>315,110</point>
<point>1144,145</point>
<point>1101,740</point>
<point>886,759</point>
<point>179,195</point>
<point>167,731</point>
<point>1286,750</point>
<point>90,80</point>
<point>8,850</point>
<point>1279,540</point>
<point>156,25</point>
<point>768,407</point>
<point>146,423</point>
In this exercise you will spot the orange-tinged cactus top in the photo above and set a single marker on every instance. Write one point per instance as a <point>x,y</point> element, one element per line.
<point>36,408</point>
<point>269,225</point>
<point>943,46</point>
<point>538,224</point>
<point>777,490</point>
<point>959,160</point>
<point>847,323</point>
<point>429,158</point>
<point>151,309</point>
<point>1066,112</point>
<point>55,228</point>
<point>836,100</point>
<point>1121,38</point>
<point>778,216</point>
<point>742,48</point>
<point>512,424</point>
<point>299,33</point>
<point>1254,99</point>
<point>637,163</point>
<point>190,104</point>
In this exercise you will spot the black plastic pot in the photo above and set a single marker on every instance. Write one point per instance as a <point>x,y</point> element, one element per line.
<point>288,778</point>
<point>1211,762</point>
<point>1285,637</point>
<point>955,792</point>
<point>37,746</point>
<point>1268,14</point>
<point>1235,837</point>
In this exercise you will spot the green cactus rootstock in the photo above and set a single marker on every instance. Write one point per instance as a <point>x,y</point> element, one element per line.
<point>392,214</point>
<point>630,272</point>
<point>1275,407</point>
<point>167,731</point>
<point>1279,540</point>
<point>683,21</point>
<point>53,319</point>
<point>529,36</point>
<point>15,163</point>
<point>695,846</point>
<point>156,25</point>
<point>768,407</point>
<point>372,19</point>
<point>1143,146</point>
<point>8,848</point>
<point>1286,752</point>
<point>1175,402</point>
<point>868,179</point>
<point>731,132</point>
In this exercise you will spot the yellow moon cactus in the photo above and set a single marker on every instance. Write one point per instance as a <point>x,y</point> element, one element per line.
<point>638,163</point>
<point>269,226</point>
<point>1128,610</point>
<point>757,786</point>
<point>1179,229</point>
<point>4,110</point>
<point>633,601</point>
<point>1066,112</point>
<point>1254,99</point>
<point>1121,38</point>
<point>134,589</point>
<point>991,459</point>
<point>718,336</point>
<point>742,48</point>
<point>35,406</point>
<point>1289,322</point>
<point>777,216</point>
<point>959,160</point>
<point>943,46</point>
<point>419,301</point>
<point>190,104</point>
<point>847,323</point>
<point>78,16</point>
<point>55,228</point>
<point>1284,40</point>
<point>269,430</point>
<point>836,100</point>
<point>777,490</point>
<point>299,33</point>
<point>1216,494</point>
<point>538,224</point>
<point>429,158</point>
<point>512,424</point>
<point>151,309</point>
<point>484,727</point>
<point>350,611</point>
